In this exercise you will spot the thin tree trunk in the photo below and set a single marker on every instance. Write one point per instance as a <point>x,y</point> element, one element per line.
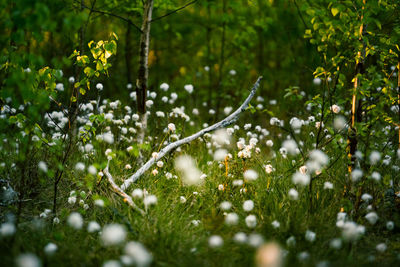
<point>222,56</point>
<point>398,96</point>
<point>209,61</point>
<point>355,111</point>
<point>143,73</point>
<point>128,53</point>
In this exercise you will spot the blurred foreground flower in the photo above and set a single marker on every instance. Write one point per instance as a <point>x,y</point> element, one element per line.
<point>269,255</point>
<point>187,167</point>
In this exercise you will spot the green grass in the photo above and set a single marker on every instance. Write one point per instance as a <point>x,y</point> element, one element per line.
<point>166,229</point>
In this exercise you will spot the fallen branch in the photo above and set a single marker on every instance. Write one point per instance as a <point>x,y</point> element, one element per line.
<point>121,192</point>
<point>225,122</point>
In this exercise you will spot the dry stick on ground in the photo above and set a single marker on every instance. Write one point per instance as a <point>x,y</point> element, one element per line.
<point>120,192</point>
<point>225,122</point>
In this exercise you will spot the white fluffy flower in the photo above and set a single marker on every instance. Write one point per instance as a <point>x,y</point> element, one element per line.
<point>220,154</point>
<point>150,200</point>
<point>138,253</point>
<point>328,185</point>
<point>28,260</point>
<point>317,81</point>
<point>50,248</point>
<point>187,167</point>
<point>250,175</point>
<point>225,205</point>
<point>269,169</point>
<point>171,127</point>
<point>231,218</point>
<point>290,146</point>
<point>301,179</point>
<point>356,174</point>
<point>275,224</point>
<point>310,236</point>
<point>43,166</point>
<point>60,87</point>
<point>92,170</point>
<point>240,238</point>
<point>251,221</point>
<point>372,217</point>
<point>293,194</point>
<point>7,229</point>
<point>75,220</point>
<point>215,241</point>
<point>93,227</point>
<point>80,166</point>
<point>137,193</point>
<point>113,234</point>
<point>248,205</point>
<point>390,225</point>
<point>164,87</point>
<point>108,137</point>
<point>351,231</point>
<point>227,110</point>
<point>189,88</point>
<point>381,247</point>
<point>99,202</point>
<point>374,157</point>
<point>335,109</point>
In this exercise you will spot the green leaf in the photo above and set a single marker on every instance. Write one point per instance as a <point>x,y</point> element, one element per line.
<point>89,71</point>
<point>82,60</point>
<point>334,11</point>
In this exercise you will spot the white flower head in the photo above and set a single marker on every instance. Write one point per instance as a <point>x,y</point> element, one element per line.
<point>50,249</point>
<point>372,217</point>
<point>240,238</point>
<point>113,234</point>
<point>43,166</point>
<point>251,221</point>
<point>215,241</point>
<point>310,236</point>
<point>7,229</point>
<point>75,220</point>
<point>171,127</point>
<point>140,255</point>
<point>374,157</point>
<point>250,175</point>
<point>220,154</point>
<point>164,87</point>
<point>356,174</point>
<point>189,88</point>
<point>28,260</point>
<point>248,205</point>
<point>187,167</point>
<point>335,109</point>
<point>293,194</point>
<point>301,179</point>
<point>231,218</point>
<point>225,205</point>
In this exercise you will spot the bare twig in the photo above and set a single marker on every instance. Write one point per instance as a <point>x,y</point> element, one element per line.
<point>225,122</point>
<point>174,11</point>
<point>92,10</point>
<point>121,192</point>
